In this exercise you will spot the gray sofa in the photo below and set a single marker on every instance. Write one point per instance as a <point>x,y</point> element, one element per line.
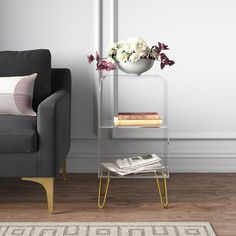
<point>35,148</point>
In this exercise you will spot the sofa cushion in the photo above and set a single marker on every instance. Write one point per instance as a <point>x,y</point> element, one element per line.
<point>18,134</point>
<point>20,63</point>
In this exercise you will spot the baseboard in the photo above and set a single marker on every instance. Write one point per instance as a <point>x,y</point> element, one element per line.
<point>87,163</point>
<point>192,155</point>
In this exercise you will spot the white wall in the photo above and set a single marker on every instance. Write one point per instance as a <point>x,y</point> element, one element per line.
<point>202,37</point>
<point>67,29</point>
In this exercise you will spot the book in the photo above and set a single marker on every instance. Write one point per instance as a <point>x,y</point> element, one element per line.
<point>152,123</point>
<point>138,116</point>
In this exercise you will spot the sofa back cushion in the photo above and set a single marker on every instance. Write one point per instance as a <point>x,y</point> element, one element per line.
<point>21,63</point>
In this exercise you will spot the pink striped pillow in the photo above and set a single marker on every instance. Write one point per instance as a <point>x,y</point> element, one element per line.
<point>16,95</point>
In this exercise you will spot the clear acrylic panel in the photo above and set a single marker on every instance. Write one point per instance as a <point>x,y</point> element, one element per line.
<point>122,93</point>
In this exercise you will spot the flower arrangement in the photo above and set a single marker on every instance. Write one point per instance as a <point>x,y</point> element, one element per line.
<point>131,50</point>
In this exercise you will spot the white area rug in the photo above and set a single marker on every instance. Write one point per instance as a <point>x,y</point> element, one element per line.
<point>106,229</point>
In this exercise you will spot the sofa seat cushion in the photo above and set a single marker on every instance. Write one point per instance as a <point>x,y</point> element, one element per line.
<point>18,134</point>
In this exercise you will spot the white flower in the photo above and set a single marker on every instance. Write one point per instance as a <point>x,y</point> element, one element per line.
<point>112,47</point>
<point>110,59</point>
<point>138,44</point>
<point>132,48</point>
<point>121,55</point>
<point>134,57</point>
<point>120,44</point>
<point>154,54</point>
<point>126,48</point>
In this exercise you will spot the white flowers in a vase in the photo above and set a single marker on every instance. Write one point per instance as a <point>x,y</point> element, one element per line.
<point>131,50</point>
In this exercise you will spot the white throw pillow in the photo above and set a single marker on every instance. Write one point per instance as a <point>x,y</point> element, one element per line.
<point>16,95</point>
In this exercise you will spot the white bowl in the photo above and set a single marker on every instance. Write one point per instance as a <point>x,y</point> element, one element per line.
<point>136,68</point>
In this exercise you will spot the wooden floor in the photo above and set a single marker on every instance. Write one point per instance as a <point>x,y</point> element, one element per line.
<point>193,197</point>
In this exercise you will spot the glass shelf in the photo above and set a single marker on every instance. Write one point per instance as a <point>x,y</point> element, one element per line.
<point>138,77</point>
<point>164,174</point>
<point>109,124</point>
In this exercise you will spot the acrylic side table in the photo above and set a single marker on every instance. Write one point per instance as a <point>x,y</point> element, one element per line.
<point>125,93</point>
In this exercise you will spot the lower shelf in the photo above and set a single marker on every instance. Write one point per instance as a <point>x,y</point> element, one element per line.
<point>105,174</point>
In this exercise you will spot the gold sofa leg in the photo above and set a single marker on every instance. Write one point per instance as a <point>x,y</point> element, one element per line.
<point>48,184</point>
<point>63,171</point>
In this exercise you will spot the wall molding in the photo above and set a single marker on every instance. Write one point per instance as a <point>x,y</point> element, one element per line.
<point>177,164</point>
<point>198,155</point>
<point>190,152</point>
<point>177,136</point>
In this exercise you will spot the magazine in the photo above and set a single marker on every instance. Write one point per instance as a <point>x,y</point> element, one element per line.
<point>138,161</point>
<point>135,165</point>
<point>125,171</point>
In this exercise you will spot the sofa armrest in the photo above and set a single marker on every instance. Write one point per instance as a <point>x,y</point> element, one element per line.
<point>53,127</point>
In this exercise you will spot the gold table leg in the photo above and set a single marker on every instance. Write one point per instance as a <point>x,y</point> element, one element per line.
<point>102,195</point>
<point>63,171</point>
<point>163,193</point>
<point>48,184</point>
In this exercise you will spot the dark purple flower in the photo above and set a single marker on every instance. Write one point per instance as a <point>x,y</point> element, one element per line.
<point>157,49</point>
<point>111,66</point>
<point>165,61</point>
<point>90,58</point>
<point>162,46</point>
<point>97,56</point>
<point>163,56</point>
<point>171,63</point>
<point>105,65</point>
<point>162,65</point>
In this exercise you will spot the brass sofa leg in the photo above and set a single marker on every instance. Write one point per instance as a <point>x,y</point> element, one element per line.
<point>48,184</point>
<point>63,171</point>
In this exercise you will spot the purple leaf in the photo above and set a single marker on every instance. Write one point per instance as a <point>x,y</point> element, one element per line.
<point>166,61</point>
<point>171,63</point>
<point>162,46</point>
<point>162,65</point>
<point>104,65</point>
<point>90,58</point>
<point>157,49</point>
<point>163,56</point>
<point>97,56</point>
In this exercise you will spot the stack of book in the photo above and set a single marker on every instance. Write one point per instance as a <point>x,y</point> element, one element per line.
<point>143,164</point>
<point>142,119</point>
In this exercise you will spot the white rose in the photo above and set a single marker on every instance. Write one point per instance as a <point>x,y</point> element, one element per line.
<point>134,57</point>
<point>121,56</point>
<point>141,44</point>
<point>120,44</point>
<point>110,59</point>
<point>154,54</point>
<point>112,47</point>
<point>138,45</point>
<point>126,48</point>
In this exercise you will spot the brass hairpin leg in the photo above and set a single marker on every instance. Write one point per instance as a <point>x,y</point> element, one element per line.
<point>163,192</point>
<point>102,195</point>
